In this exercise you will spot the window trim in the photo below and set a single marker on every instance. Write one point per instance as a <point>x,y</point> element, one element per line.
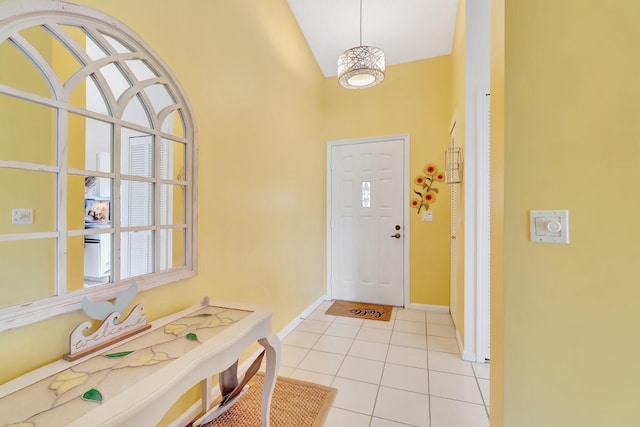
<point>16,15</point>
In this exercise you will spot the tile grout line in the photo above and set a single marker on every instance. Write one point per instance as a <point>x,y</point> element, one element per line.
<point>348,350</point>
<point>480,390</point>
<point>384,367</point>
<point>426,340</point>
<point>310,348</point>
<point>339,367</point>
<point>333,377</point>
<point>458,400</point>
<point>396,422</point>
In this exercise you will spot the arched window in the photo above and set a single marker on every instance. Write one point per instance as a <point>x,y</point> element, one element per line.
<point>97,162</point>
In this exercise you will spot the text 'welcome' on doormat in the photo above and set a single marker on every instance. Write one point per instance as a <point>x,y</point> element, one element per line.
<point>360,310</point>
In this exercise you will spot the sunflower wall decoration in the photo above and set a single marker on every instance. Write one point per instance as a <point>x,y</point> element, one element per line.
<point>427,192</point>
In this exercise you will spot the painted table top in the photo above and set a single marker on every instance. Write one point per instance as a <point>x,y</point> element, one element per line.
<point>76,388</point>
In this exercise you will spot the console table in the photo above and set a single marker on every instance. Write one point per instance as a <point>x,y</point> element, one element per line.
<point>135,381</point>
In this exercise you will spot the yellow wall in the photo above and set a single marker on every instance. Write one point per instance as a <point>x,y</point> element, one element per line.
<point>256,92</point>
<point>22,141</point>
<point>65,67</point>
<point>497,213</point>
<point>458,93</point>
<point>571,85</point>
<point>413,99</point>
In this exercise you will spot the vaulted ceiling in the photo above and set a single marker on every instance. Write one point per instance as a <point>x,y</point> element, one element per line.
<point>406,30</point>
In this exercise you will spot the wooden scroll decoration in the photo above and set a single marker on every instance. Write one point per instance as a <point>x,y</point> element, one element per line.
<point>112,328</point>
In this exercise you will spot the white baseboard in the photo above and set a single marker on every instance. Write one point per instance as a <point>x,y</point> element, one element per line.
<point>300,318</point>
<point>428,307</point>
<point>192,413</point>
<point>469,356</point>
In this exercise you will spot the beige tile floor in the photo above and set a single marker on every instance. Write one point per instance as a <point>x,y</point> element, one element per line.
<point>405,372</point>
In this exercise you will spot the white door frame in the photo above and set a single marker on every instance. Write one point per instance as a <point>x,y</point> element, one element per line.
<point>477,78</point>
<point>405,217</point>
<point>483,226</point>
<point>476,183</point>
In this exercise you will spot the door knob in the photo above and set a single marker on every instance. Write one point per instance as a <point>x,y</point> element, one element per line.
<point>397,235</point>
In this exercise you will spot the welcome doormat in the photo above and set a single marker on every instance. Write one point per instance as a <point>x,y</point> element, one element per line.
<point>360,310</point>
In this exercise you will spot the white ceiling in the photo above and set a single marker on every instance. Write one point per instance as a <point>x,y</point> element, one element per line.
<point>406,30</point>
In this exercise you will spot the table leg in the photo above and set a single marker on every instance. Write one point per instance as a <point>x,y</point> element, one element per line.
<point>228,379</point>
<point>271,344</point>
<point>205,392</point>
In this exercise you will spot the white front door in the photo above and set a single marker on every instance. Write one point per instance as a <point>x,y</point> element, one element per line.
<point>367,229</point>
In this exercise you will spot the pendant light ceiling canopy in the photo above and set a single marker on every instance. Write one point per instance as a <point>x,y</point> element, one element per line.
<point>362,66</point>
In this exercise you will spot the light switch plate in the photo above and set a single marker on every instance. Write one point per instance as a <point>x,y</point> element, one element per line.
<point>21,216</point>
<point>427,216</point>
<point>550,226</point>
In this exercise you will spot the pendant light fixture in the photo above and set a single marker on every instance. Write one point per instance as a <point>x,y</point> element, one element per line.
<point>362,66</point>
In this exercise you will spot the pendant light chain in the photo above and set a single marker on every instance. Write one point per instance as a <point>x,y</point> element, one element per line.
<point>362,66</point>
<point>360,23</point>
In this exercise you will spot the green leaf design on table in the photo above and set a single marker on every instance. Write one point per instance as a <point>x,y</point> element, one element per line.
<point>192,337</point>
<point>93,395</point>
<point>204,315</point>
<point>119,354</point>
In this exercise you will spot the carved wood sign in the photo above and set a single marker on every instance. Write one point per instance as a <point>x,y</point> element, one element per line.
<point>112,328</point>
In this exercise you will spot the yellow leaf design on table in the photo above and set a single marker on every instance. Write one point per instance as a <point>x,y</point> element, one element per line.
<point>68,380</point>
<point>174,329</point>
<point>219,322</point>
<point>151,359</point>
<point>214,322</point>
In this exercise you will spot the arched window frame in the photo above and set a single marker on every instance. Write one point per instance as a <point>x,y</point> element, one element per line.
<point>18,15</point>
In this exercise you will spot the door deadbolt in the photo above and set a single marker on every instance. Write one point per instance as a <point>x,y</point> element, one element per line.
<point>398,227</point>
